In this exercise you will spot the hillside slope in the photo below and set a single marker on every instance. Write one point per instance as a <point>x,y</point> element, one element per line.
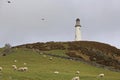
<point>40,67</point>
<point>90,51</point>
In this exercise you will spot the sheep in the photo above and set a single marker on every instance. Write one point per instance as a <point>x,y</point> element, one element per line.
<point>15,60</point>
<point>101,75</point>
<point>1,68</point>
<point>25,63</point>
<point>75,78</point>
<point>25,68</point>
<point>22,69</point>
<point>56,72</point>
<point>77,72</point>
<point>50,58</point>
<point>14,67</point>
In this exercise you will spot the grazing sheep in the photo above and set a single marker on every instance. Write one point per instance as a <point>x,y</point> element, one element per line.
<point>1,68</point>
<point>25,63</point>
<point>50,58</point>
<point>14,67</point>
<point>77,72</point>
<point>75,78</point>
<point>56,72</point>
<point>25,68</point>
<point>101,75</point>
<point>22,69</point>
<point>15,60</point>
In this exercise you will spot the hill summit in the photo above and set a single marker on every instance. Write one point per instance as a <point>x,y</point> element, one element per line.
<point>90,51</point>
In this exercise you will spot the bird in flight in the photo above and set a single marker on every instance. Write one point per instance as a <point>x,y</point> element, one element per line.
<point>9,1</point>
<point>43,19</point>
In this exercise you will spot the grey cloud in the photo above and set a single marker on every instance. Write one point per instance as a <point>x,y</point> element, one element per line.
<point>20,21</point>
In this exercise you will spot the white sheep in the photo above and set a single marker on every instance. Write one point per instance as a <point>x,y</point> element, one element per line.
<point>56,72</point>
<point>22,69</point>
<point>101,75</point>
<point>1,68</point>
<point>25,63</point>
<point>25,68</point>
<point>76,78</point>
<point>14,67</point>
<point>15,60</point>
<point>50,58</point>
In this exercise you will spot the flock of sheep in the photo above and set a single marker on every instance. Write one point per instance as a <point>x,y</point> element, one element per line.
<point>77,72</point>
<point>23,69</point>
<point>20,68</point>
<point>78,78</point>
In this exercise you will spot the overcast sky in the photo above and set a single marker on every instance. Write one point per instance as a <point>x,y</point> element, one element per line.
<point>21,21</point>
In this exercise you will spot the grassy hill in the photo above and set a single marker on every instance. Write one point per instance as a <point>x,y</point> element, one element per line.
<point>90,51</point>
<point>40,67</point>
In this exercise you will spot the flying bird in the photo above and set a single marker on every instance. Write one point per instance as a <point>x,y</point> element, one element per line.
<point>9,1</point>
<point>43,19</point>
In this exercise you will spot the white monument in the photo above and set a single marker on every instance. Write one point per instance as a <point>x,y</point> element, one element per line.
<point>77,30</point>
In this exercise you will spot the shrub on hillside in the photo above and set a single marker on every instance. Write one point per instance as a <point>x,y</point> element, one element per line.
<point>7,49</point>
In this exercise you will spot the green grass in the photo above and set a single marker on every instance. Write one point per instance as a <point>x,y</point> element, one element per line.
<point>41,68</point>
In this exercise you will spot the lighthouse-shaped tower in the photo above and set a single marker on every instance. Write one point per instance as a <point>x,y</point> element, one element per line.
<point>77,30</point>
